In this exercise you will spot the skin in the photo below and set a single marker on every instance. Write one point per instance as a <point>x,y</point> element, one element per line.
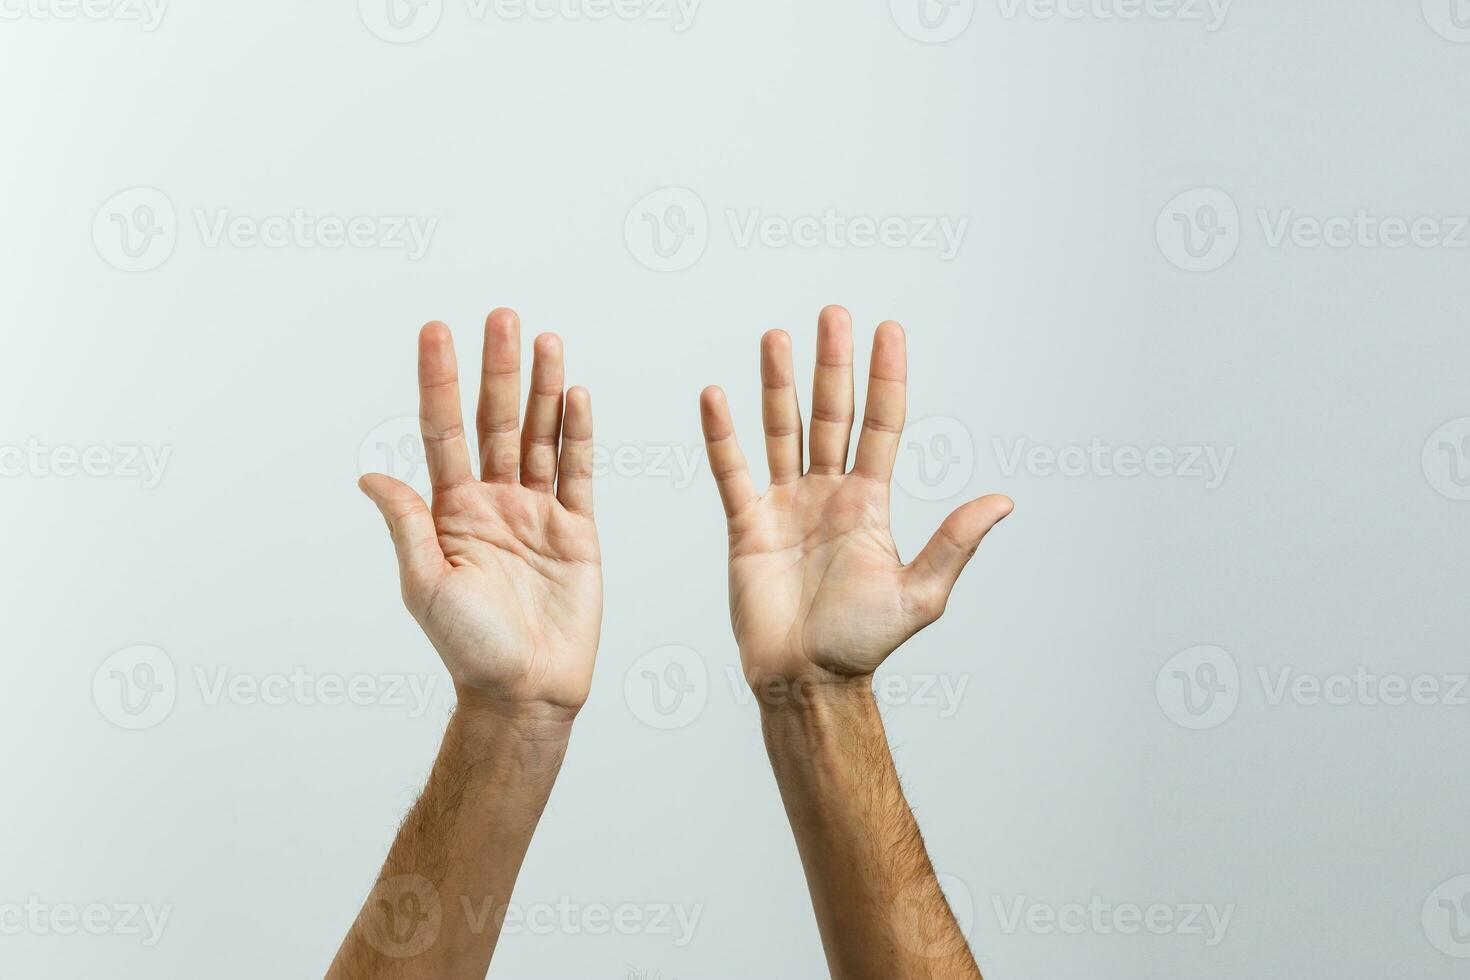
<point>503,574</point>
<point>819,598</point>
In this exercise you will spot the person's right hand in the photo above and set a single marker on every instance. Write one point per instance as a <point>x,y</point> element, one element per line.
<point>502,575</point>
<point>817,590</point>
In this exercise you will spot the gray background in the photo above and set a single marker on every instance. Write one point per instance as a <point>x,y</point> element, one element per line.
<point>1336,832</point>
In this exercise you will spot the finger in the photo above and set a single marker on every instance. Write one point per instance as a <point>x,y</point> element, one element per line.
<point>441,419</point>
<point>726,462</point>
<point>543,415</point>
<point>574,471</point>
<point>932,575</point>
<point>883,418</point>
<point>498,419</point>
<point>420,559</point>
<point>832,392</point>
<point>780,414</point>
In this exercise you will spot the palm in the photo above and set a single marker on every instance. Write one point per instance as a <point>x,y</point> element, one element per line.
<point>817,588</point>
<point>814,578</point>
<point>524,588</point>
<point>502,574</point>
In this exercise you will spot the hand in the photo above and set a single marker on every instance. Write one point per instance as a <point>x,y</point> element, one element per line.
<point>817,590</point>
<point>503,576</point>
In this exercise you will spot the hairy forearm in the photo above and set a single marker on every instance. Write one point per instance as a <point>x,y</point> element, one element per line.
<point>441,896</point>
<point>877,901</point>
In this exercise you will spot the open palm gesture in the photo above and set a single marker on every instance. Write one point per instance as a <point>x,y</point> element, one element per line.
<point>817,589</point>
<point>503,572</point>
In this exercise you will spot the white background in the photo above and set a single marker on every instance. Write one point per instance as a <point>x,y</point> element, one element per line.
<point>1335,541</point>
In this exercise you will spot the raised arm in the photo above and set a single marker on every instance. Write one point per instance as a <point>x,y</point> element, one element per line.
<point>503,575</point>
<point>818,599</point>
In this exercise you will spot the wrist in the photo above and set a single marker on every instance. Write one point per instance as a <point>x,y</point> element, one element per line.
<point>530,712</point>
<point>822,734</point>
<point>810,688</point>
<point>817,698</point>
<point>535,731</point>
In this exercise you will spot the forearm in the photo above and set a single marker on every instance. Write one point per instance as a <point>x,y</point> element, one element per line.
<point>440,898</point>
<point>877,901</point>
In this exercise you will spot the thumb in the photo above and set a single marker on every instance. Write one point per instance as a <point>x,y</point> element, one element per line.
<point>932,575</point>
<point>415,540</point>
